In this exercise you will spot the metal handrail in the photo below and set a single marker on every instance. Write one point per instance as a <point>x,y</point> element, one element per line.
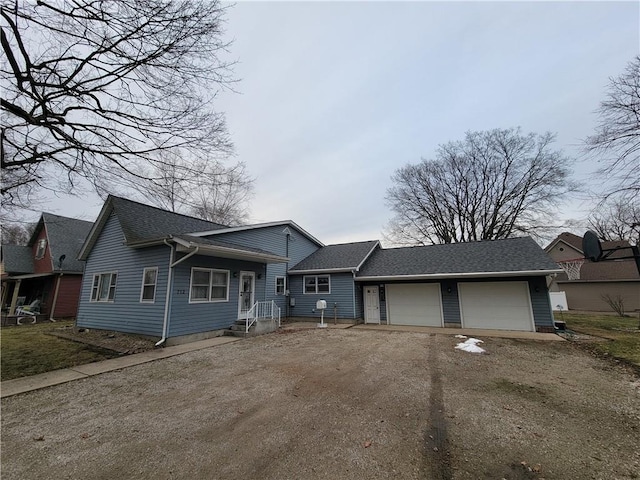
<point>267,309</point>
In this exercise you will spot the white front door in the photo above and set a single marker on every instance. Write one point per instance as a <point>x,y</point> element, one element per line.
<point>246,291</point>
<point>371,305</point>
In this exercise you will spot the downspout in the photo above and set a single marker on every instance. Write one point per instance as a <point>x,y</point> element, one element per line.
<point>286,279</point>
<point>354,294</point>
<point>55,298</point>
<point>172,264</point>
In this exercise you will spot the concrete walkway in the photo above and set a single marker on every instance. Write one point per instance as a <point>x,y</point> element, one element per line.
<point>56,377</point>
<point>469,332</point>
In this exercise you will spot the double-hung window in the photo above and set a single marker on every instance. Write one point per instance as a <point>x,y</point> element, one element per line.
<point>281,285</point>
<point>317,284</point>
<point>103,288</point>
<point>149,281</point>
<point>209,285</point>
<point>42,246</point>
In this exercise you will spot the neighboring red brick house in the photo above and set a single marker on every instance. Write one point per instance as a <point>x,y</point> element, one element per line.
<point>595,279</point>
<point>47,268</point>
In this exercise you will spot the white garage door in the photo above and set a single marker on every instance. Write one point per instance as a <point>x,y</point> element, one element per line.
<point>414,304</point>
<point>496,305</point>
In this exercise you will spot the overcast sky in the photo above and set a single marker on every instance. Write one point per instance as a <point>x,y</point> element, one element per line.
<point>335,96</point>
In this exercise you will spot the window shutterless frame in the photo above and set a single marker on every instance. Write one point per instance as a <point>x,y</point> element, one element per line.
<point>149,283</point>
<point>316,284</point>
<point>103,287</point>
<point>281,285</point>
<point>208,285</point>
<point>42,246</point>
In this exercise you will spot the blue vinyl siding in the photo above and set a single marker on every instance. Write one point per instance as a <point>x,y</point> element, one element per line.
<point>187,318</point>
<point>125,313</point>
<point>342,293</point>
<point>273,270</point>
<point>272,239</point>
<point>359,298</point>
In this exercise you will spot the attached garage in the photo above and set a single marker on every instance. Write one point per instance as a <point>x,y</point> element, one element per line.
<point>496,305</point>
<point>414,304</point>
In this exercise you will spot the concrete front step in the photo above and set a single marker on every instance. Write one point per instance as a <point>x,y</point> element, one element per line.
<point>260,327</point>
<point>240,333</point>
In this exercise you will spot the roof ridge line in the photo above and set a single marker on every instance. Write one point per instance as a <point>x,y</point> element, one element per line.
<point>168,211</point>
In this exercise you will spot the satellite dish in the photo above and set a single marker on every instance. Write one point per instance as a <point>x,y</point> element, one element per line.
<point>591,246</point>
<point>60,260</point>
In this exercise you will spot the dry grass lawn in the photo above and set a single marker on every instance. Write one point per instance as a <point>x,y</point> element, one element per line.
<point>29,349</point>
<point>622,334</point>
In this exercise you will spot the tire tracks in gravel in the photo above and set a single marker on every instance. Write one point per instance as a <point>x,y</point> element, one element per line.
<point>437,454</point>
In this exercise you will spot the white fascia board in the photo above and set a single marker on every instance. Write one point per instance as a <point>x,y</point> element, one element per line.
<point>321,270</point>
<point>226,252</point>
<point>256,226</point>
<point>368,255</point>
<point>152,242</point>
<point>435,276</point>
<point>97,227</point>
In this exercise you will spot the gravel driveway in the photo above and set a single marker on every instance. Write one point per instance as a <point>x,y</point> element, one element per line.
<point>335,404</point>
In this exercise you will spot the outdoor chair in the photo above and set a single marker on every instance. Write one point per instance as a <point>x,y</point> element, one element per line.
<point>30,311</point>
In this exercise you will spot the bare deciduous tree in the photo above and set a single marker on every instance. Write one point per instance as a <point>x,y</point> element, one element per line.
<point>491,185</point>
<point>224,197</point>
<point>16,233</point>
<point>218,192</point>
<point>617,219</point>
<point>95,89</point>
<point>618,132</point>
<point>168,182</point>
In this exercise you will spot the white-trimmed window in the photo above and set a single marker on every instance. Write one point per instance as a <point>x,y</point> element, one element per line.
<point>149,281</point>
<point>209,285</point>
<point>281,285</point>
<point>103,288</point>
<point>317,284</point>
<point>42,246</point>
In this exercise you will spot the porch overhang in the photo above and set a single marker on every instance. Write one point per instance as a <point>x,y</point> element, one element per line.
<point>460,275</point>
<point>322,270</point>
<point>28,275</point>
<point>226,251</point>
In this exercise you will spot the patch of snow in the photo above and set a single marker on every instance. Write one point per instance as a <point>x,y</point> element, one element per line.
<point>461,336</point>
<point>471,346</point>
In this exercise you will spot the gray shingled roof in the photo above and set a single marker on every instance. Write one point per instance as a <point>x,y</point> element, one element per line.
<point>17,259</point>
<point>345,256</point>
<point>66,236</point>
<point>576,242</point>
<point>216,243</point>
<point>509,255</point>
<point>142,222</point>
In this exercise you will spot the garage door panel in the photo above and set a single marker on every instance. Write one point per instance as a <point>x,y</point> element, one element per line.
<point>496,305</point>
<point>414,304</point>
